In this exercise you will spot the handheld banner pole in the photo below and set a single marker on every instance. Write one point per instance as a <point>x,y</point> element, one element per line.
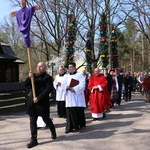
<point>23,17</point>
<point>31,70</point>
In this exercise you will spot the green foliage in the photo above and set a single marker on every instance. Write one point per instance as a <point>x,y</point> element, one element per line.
<point>3,37</point>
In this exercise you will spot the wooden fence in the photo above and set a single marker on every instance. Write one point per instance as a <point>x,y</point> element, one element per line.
<point>12,97</point>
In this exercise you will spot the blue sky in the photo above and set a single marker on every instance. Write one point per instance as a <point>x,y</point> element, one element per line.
<point>5,9</point>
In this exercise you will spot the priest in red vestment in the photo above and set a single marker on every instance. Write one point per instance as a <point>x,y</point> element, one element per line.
<point>99,96</point>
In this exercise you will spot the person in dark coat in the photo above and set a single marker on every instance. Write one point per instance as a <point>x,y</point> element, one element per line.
<point>39,106</point>
<point>109,80</point>
<point>120,83</point>
<point>128,83</point>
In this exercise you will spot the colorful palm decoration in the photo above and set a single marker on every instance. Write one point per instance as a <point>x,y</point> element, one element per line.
<point>103,40</point>
<point>89,51</point>
<point>70,40</point>
<point>113,46</point>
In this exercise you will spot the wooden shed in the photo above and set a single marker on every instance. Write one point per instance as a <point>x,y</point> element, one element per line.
<point>9,64</point>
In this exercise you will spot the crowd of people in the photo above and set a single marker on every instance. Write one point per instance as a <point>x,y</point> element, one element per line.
<point>76,91</point>
<point>127,83</point>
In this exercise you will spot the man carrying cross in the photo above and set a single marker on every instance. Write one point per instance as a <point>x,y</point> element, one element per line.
<point>39,106</point>
<point>37,103</point>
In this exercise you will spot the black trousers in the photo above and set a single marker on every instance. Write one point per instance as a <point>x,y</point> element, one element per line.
<point>75,118</point>
<point>128,93</point>
<point>33,125</point>
<point>119,97</point>
<point>61,109</point>
<point>81,117</point>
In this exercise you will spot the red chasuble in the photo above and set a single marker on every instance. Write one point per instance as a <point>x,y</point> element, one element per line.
<point>99,100</point>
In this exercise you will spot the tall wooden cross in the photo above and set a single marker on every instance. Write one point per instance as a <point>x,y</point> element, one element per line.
<point>24,16</point>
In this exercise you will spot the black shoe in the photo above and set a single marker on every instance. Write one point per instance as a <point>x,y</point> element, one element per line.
<point>104,115</point>
<point>76,130</point>
<point>60,116</point>
<point>94,119</point>
<point>54,136</point>
<point>32,143</point>
<point>117,103</point>
<point>68,131</point>
<point>81,127</point>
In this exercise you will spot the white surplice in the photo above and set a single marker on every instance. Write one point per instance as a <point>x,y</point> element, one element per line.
<point>60,92</point>
<point>75,99</point>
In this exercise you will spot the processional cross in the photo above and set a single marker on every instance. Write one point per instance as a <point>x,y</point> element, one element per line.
<point>24,16</point>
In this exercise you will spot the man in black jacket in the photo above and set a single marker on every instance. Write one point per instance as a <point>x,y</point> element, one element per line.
<point>39,106</point>
<point>120,82</point>
<point>128,83</point>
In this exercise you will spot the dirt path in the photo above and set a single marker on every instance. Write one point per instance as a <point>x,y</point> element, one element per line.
<point>127,127</point>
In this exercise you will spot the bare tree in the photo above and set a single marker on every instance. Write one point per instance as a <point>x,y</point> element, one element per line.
<point>140,14</point>
<point>9,28</point>
<point>49,25</point>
